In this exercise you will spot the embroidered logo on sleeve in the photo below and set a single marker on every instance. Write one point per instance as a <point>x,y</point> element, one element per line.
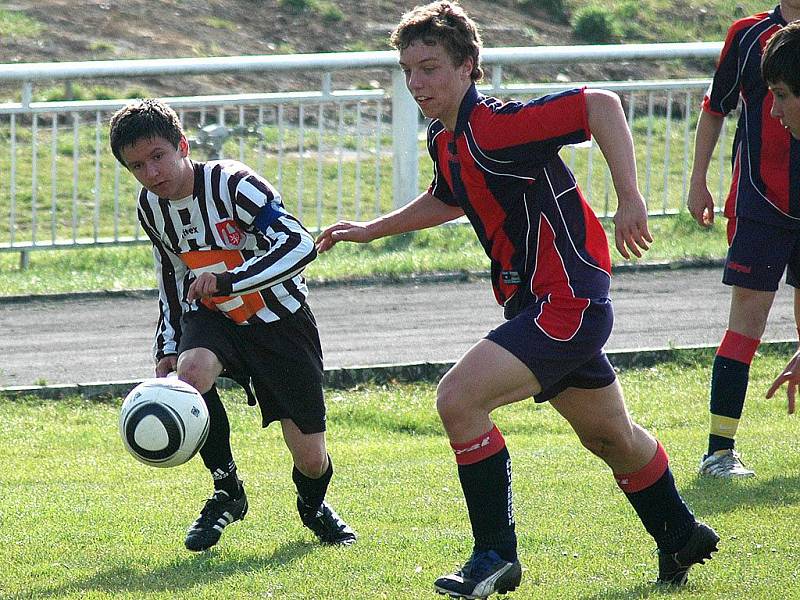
<point>230,232</point>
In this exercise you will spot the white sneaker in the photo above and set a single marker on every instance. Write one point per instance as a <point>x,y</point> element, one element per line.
<point>725,464</point>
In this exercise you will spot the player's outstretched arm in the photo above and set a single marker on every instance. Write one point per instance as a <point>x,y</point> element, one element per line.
<point>699,200</point>
<point>343,231</point>
<point>610,129</point>
<point>424,211</point>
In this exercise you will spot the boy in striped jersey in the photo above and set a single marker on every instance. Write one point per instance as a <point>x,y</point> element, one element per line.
<point>763,212</point>
<point>498,164</point>
<point>232,300</point>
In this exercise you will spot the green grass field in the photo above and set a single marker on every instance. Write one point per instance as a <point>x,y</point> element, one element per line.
<point>442,249</point>
<point>82,519</point>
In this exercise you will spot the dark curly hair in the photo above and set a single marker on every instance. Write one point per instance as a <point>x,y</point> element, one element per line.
<point>781,59</point>
<point>143,119</point>
<point>443,23</point>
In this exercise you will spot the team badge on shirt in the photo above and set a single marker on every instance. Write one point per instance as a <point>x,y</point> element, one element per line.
<point>230,232</point>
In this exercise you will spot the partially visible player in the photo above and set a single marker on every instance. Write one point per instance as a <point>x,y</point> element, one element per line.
<point>498,164</point>
<point>763,212</point>
<point>232,298</point>
<point>780,67</point>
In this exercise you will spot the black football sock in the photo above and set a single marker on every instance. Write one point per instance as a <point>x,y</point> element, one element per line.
<point>216,452</point>
<point>311,492</point>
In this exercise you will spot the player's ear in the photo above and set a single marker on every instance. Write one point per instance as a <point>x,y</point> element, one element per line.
<point>183,146</point>
<point>467,66</point>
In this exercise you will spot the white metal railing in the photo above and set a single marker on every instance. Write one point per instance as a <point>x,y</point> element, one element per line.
<point>330,152</point>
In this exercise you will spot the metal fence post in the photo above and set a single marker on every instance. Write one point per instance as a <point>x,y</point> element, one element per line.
<point>405,160</point>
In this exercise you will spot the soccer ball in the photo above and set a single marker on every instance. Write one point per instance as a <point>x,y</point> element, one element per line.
<point>163,422</point>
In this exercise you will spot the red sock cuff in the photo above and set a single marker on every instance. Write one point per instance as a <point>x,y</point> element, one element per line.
<point>738,347</point>
<point>482,447</point>
<point>647,475</point>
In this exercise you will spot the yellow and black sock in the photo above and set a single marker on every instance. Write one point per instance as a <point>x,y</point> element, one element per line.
<point>729,379</point>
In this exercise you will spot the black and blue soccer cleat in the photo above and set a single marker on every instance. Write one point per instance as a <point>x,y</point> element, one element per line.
<point>482,575</point>
<point>673,569</point>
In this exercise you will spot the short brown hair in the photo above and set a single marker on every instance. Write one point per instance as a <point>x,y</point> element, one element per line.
<point>143,119</point>
<point>781,60</point>
<point>443,23</point>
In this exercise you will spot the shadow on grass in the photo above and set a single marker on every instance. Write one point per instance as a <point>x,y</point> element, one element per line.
<point>184,573</point>
<point>709,496</point>
<point>640,590</point>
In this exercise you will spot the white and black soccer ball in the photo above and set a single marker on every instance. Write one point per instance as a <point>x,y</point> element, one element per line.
<point>163,422</point>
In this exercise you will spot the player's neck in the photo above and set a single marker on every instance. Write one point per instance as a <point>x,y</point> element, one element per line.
<point>187,176</point>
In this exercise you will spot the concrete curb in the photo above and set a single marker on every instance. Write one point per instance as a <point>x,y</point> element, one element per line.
<point>349,377</point>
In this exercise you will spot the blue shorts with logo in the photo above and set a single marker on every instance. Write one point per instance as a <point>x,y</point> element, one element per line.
<point>559,361</point>
<point>759,253</point>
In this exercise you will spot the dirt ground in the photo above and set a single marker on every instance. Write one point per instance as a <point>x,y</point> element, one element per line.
<point>78,30</point>
<point>80,339</point>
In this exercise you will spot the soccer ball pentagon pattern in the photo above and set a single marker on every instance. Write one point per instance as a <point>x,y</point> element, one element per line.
<point>163,422</point>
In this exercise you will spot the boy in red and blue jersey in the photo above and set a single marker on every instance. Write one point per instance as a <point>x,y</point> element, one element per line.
<point>498,164</point>
<point>779,69</point>
<point>763,212</point>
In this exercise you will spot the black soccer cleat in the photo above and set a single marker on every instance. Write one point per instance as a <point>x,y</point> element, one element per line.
<point>482,575</point>
<point>329,527</point>
<point>219,512</point>
<point>673,569</point>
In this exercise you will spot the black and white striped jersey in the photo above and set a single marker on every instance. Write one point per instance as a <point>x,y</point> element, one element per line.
<point>234,225</point>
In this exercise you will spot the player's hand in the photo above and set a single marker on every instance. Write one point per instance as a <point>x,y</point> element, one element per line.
<point>631,233</point>
<point>166,365</point>
<point>343,231</point>
<point>791,377</point>
<point>701,204</point>
<point>204,286</point>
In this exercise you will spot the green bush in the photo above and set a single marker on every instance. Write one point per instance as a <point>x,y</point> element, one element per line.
<point>595,24</point>
<point>330,13</point>
<point>554,8</point>
<point>297,6</point>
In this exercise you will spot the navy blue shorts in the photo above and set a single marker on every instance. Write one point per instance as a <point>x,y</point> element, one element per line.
<point>758,255</point>
<point>561,343</point>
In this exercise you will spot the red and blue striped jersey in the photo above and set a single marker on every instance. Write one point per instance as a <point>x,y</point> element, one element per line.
<point>765,184</point>
<point>501,166</point>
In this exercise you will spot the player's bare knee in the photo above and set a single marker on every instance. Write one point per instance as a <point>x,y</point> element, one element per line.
<point>193,373</point>
<point>311,462</point>
<point>609,447</point>
<point>450,402</point>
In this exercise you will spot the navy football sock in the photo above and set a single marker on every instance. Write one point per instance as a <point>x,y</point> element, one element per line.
<point>653,495</point>
<point>729,378</point>
<point>487,490</point>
